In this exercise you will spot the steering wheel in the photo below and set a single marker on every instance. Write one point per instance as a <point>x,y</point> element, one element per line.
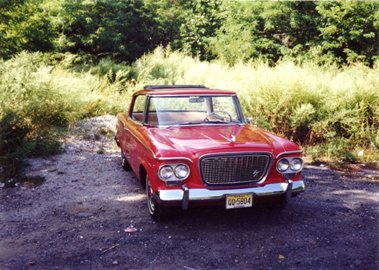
<point>217,116</point>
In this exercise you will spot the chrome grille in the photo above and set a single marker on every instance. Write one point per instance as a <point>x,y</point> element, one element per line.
<point>233,169</point>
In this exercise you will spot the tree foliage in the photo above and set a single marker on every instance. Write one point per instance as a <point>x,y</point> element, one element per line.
<point>337,31</point>
<point>124,29</point>
<point>24,26</point>
<point>202,21</point>
<point>350,30</point>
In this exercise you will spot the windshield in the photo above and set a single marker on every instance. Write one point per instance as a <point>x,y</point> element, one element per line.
<point>193,110</point>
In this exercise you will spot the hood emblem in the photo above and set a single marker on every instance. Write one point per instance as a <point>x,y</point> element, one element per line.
<point>233,138</point>
<point>255,173</point>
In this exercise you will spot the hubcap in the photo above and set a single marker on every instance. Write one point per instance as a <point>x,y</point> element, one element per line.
<point>150,200</point>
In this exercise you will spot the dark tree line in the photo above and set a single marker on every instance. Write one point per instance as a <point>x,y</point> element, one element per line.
<point>340,31</point>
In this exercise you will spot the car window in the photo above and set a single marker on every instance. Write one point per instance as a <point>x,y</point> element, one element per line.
<point>180,110</point>
<point>223,104</point>
<point>138,108</point>
<point>178,104</point>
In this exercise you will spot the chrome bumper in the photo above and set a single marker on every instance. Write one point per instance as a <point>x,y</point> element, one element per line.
<point>202,194</point>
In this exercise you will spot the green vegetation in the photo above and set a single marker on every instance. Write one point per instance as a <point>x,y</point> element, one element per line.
<point>332,112</point>
<point>305,70</point>
<point>324,32</point>
<point>38,100</point>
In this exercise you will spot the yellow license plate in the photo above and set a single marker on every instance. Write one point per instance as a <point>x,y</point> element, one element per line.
<point>239,201</point>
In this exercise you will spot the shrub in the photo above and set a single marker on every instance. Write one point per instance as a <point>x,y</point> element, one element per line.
<point>37,100</point>
<point>336,108</point>
<point>332,112</point>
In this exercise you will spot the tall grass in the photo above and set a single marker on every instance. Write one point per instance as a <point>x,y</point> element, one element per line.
<point>332,112</point>
<point>39,100</point>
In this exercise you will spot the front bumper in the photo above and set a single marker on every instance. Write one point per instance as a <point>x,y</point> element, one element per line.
<point>185,195</point>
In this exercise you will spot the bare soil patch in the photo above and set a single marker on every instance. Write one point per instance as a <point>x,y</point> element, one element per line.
<point>90,214</point>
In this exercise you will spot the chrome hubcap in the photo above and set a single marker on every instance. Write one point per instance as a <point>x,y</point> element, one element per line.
<point>150,200</point>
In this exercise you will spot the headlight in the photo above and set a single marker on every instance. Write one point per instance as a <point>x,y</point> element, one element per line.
<point>181,171</point>
<point>166,172</point>
<point>283,165</point>
<point>173,174</point>
<point>296,164</point>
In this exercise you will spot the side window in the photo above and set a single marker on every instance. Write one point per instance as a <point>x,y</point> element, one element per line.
<point>138,108</point>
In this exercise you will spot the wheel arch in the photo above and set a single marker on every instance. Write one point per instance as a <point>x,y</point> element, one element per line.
<point>142,174</point>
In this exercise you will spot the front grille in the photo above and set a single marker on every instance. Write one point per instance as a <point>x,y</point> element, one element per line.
<point>235,168</point>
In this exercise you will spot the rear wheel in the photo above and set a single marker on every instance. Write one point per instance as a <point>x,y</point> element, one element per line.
<point>125,164</point>
<point>157,212</point>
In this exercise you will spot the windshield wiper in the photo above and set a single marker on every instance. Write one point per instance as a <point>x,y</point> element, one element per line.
<point>216,122</point>
<point>206,122</point>
<point>191,123</point>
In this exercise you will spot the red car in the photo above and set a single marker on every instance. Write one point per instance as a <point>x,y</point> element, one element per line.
<point>192,145</point>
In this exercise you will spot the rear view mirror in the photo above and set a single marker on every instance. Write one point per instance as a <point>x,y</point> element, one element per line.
<point>196,100</point>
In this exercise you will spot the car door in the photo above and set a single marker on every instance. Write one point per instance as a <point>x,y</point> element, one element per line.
<point>131,132</point>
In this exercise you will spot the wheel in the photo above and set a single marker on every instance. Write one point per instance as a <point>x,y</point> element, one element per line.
<point>125,164</point>
<point>157,212</point>
<point>278,204</point>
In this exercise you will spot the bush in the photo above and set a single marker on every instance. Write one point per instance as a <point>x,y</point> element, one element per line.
<point>336,108</point>
<point>332,112</point>
<point>38,100</point>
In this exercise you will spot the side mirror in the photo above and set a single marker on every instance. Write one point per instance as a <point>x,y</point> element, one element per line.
<point>249,120</point>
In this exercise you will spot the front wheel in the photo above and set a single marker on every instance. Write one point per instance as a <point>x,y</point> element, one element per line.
<point>157,212</point>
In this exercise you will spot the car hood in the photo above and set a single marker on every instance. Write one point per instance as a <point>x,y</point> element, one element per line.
<point>192,141</point>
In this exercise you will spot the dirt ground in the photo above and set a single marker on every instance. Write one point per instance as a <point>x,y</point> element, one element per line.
<point>80,215</point>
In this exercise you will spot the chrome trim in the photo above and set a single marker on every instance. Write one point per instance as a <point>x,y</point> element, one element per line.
<point>197,125</point>
<point>185,200</point>
<point>151,151</point>
<point>233,153</point>
<point>174,158</point>
<point>155,94</point>
<point>269,166</point>
<point>135,121</point>
<point>203,194</point>
<point>289,189</point>
<point>298,186</point>
<point>139,140</point>
<point>289,152</point>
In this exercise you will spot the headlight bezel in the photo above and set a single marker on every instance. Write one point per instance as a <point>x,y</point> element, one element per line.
<point>290,161</point>
<point>174,177</point>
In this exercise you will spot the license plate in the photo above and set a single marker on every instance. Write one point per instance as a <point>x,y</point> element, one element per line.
<point>239,201</point>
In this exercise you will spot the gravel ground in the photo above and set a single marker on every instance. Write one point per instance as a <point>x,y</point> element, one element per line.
<point>80,218</point>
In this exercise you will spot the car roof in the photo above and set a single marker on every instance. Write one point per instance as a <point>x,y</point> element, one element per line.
<point>158,90</point>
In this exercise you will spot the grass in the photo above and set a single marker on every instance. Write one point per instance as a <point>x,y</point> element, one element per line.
<point>333,113</point>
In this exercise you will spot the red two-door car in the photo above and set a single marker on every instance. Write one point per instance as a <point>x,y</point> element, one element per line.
<point>190,144</point>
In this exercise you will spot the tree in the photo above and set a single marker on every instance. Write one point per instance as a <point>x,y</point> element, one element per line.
<point>200,25</point>
<point>24,26</point>
<point>265,30</point>
<point>124,29</point>
<point>350,30</point>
